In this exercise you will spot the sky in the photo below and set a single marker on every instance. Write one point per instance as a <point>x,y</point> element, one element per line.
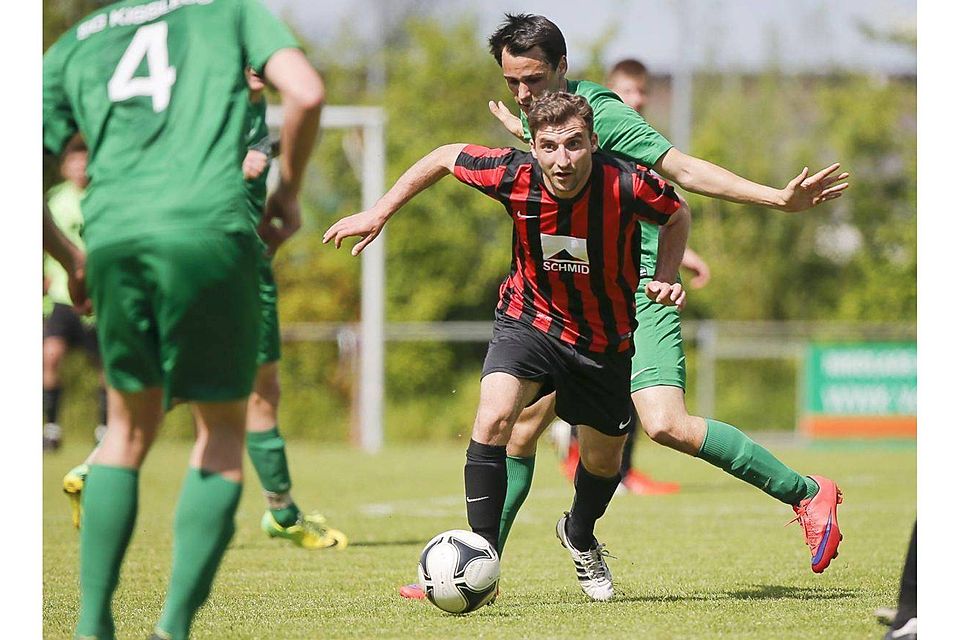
<point>727,35</point>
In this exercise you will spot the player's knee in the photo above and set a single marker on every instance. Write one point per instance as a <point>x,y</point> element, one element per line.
<point>663,427</point>
<point>604,464</point>
<point>493,426</point>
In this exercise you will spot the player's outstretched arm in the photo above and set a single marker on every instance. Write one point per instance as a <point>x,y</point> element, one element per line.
<point>302,92</point>
<point>703,177</point>
<point>368,224</point>
<point>664,287</point>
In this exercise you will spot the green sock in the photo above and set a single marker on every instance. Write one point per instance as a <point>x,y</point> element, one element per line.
<point>109,512</point>
<point>268,454</point>
<point>727,447</point>
<point>202,527</point>
<point>519,480</point>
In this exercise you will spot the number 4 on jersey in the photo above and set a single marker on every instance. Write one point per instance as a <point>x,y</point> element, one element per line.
<point>150,41</point>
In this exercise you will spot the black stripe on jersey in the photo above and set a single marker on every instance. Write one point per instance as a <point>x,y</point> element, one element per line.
<point>596,252</point>
<point>534,198</point>
<point>632,252</point>
<point>574,297</point>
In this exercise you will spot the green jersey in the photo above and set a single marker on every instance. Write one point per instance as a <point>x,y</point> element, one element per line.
<point>158,91</point>
<point>623,132</point>
<point>64,203</point>
<point>258,139</point>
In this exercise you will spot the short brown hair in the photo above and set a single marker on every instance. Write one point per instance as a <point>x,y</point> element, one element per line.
<point>630,67</point>
<point>555,108</point>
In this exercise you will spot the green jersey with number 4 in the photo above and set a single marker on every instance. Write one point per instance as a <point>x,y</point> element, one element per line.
<point>157,89</point>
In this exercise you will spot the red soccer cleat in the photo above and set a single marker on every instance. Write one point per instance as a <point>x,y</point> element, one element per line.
<point>412,592</point>
<point>643,485</point>
<point>818,517</point>
<point>569,466</point>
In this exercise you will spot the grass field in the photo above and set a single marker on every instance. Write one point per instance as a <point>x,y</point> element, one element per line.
<point>714,561</point>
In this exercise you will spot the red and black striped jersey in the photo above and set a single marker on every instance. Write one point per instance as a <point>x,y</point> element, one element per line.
<point>575,266</point>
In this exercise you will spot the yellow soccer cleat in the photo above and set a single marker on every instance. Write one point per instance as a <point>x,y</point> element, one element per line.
<point>73,487</point>
<point>309,532</point>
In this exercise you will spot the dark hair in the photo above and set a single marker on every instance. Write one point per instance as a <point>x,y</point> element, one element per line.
<point>556,108</point>
<point>521,32</point>
<point>630,67</point>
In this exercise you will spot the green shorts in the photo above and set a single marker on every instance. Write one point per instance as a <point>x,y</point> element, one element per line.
<point>179,311</point>
<point>269,347</point>
<point>658,359</point>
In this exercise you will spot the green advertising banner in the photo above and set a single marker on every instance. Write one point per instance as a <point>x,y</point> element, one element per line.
<point>863,379</point>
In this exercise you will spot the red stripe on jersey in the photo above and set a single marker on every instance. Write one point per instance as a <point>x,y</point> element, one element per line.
<point>579,224</point>
<point>615,250</point>
<point>488,177</point>
<point>526,270</point>
<point>663,200</point>
<point>479,151</point>
<point>549,217</point>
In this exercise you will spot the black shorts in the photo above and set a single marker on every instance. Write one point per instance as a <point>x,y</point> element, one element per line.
<point>593,389</point>
<point>63,322</point>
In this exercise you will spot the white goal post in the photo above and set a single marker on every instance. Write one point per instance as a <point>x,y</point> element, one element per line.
<point>371,121</point>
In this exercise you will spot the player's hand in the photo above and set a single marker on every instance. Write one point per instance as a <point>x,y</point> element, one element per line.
<point>806,191</point>
<point>254,164</point>
<point>281,219</point>
<point>366,224</point>
<point>507,119</point>
<point>666,293</point>
<point>699,268</point>
<point>77,285</point>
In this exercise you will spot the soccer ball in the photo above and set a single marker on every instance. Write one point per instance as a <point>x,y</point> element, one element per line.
<point>459,571</point>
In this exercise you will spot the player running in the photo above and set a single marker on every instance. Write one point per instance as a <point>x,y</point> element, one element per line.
<point>566,315</point>
<point>158,92</point>
<point>265,445</point>
<point>63,327</point>
<point>532,53</point>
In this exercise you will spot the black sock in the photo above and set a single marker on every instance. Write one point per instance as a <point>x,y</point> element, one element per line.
<point>627,462</point>
<point>51,404</point>
<point>102,405</point>
<point>485,481</point>
<point>907,602</point>
<point>591,496</point>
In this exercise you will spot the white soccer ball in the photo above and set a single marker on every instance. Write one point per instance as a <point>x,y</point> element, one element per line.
<point>459,571</point>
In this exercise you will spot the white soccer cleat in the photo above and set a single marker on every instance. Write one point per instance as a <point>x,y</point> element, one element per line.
<point>592,571</point>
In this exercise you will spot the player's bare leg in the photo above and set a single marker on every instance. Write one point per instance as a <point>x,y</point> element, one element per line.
<point>54,350</point>
<point>204,520</point>
<point>598,475</point>
<point>110,502</point>
<point>502,397</point>
<point>663,414</point>
<point>267,450</point>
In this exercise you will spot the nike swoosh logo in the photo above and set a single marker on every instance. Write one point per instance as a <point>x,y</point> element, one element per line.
<point>623,425</point>
<point>477,499</point>
<point>523,217</point>
<point>641,371</point>
<point>823,543</point>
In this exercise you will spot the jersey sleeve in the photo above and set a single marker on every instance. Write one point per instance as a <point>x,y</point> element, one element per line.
<point>262,34</point>
<point>624,132</point>
<point>59,123</point>
<point>654,199</point>
<point>484,168</point>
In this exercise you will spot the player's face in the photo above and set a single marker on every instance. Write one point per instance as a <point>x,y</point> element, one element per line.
<point>632,90</point>
<point>529,75</point>
<point>73,167</point>
<point>564,155</point>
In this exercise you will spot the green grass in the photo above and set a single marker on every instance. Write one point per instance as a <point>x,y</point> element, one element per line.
<point>714,561</point>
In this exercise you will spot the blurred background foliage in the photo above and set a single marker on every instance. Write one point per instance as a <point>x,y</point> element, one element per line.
<point>448,250</point>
